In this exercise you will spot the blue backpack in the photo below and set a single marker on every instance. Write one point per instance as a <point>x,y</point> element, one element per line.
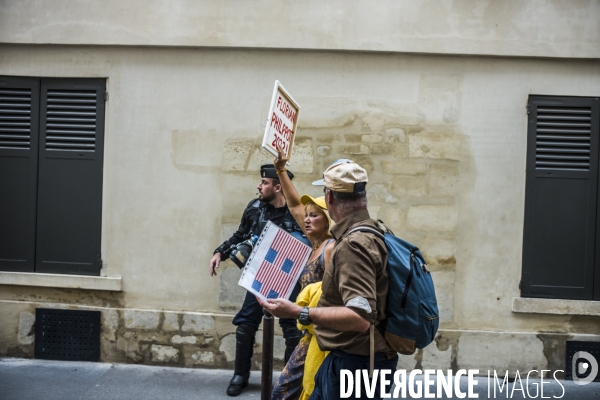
<point>412,312</point>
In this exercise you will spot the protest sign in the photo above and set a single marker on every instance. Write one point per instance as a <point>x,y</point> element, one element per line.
<point>281,123</point>
<point>275,264</point>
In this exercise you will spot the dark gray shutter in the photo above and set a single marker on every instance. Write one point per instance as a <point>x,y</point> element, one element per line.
<point>561,198</point>
<point>70,176</point>
<point>19,121</point>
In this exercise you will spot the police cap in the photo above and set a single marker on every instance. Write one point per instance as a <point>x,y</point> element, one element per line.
<point>269,171</point>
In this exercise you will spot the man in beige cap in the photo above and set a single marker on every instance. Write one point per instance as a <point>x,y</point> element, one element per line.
<point>355,287</point>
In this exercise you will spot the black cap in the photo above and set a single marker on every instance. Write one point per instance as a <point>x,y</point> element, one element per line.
<point>269,171</point>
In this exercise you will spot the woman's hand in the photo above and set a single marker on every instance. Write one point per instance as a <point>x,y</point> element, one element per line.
<point>280,160</point>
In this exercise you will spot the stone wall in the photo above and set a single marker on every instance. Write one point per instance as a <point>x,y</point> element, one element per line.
<point>414,168</point>
<point>203,340</point>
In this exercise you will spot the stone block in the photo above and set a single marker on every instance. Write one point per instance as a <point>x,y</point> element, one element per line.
<point>400,150</point>
<point>110,323</point>
<point>432,218</point>
<point>204,357</point>
<point>444,292</point>
<point>164,354</point>
<point>302,161</point>
<point>136,319</point>
<point>380,193</point>
<point>184,339</point>
<point>371,138</point>
<point>402,167</point>
<point>323,151</point>
<point>258,157</point>
<point>434,144</point>
<point>409,187</point>
<point>395,135</point>
<point>26,333</point>
<point>356,149</point>
<point>227,346</point>
<point>439,250</point>
<point>501,351</point>
<point>235,154</point>
<point>197,323</point>
<point>378,149</point>
<point>433,358</point>
<point>395,219</point>
<point>443,181</point>
<point>231,295</point>
<point>171,322</point>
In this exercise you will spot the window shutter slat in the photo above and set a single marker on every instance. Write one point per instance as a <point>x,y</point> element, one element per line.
<point>68,126</point>
<point>15,118</point>
<point>558,130</point>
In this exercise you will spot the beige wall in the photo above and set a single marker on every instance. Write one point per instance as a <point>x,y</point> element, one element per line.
<point>541,28</point>
<point>443,139</point>
<point>442,136</point>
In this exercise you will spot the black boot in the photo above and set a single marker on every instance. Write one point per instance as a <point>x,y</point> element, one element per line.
<point>292,337</point>
<point>244,347</point>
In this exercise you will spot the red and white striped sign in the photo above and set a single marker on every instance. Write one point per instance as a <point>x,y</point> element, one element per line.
<point>275,264</point>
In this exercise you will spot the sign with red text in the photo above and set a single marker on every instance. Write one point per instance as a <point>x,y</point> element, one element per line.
<point>282,122</point>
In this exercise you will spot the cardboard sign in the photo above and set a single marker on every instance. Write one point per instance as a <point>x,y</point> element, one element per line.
<point>275,264</point>
<point>282,122</point>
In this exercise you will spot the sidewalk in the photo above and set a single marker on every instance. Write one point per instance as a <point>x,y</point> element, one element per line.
<point>30,379</point>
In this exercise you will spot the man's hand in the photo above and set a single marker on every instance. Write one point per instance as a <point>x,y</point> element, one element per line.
<point>280,308</point>
<point>214,263</point>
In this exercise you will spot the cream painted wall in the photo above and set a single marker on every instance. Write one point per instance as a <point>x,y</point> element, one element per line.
<point>180,162</point>
<point>540,28</point>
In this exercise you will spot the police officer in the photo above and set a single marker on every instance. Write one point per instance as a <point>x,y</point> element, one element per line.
<point>270,206</point>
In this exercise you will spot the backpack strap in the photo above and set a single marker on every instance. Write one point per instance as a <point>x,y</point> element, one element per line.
<point>368,229</point>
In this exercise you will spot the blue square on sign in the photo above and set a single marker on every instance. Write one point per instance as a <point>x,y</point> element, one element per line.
<point>272,294</point>
<point>271,256</point>
<point>287,265</point>
<point>256,285</point>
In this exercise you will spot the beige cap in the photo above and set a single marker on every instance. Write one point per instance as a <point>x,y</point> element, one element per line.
<point>344,176</point>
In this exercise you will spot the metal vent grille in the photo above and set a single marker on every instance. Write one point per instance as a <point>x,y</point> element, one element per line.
<point>563,137</point>
<point>15,118</point>
<point>67,335</point>
<point>593,348</point>
<point>71,120</point>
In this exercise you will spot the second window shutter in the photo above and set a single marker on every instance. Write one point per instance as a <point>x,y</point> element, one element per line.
<point>560,199</point>
<point>70,179</point>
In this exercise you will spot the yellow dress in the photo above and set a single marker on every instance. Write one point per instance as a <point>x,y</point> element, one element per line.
<point>309,297</point>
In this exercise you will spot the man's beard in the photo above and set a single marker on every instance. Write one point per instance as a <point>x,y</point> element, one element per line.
<point>266,199</point>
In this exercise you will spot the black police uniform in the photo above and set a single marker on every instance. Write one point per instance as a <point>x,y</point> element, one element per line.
<point>247,320</point>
